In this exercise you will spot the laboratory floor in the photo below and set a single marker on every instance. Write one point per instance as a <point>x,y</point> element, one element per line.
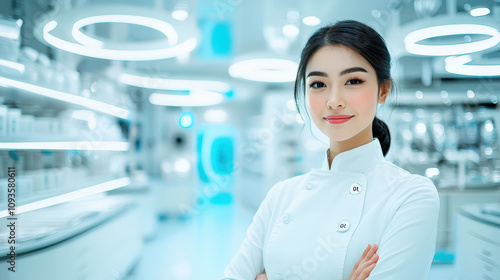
<point>200,246</point>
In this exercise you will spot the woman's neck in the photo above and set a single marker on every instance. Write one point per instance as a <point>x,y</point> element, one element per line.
<point>337,147</point>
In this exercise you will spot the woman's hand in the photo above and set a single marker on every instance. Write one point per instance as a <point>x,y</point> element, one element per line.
<point>262,276</point>
<point>365,264</point>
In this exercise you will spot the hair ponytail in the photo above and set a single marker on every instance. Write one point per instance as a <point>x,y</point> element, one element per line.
<point>380,130</point>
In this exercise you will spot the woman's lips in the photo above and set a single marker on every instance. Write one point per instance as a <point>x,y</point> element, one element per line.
<point>338,119</point>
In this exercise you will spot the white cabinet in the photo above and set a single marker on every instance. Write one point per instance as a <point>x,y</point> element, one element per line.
<point>478,243</point>
<point>104,251</point>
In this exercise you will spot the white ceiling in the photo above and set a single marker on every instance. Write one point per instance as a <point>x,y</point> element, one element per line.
<point>249,19</point>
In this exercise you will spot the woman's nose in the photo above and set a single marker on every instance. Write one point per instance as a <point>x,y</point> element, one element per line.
<point>335,101</point>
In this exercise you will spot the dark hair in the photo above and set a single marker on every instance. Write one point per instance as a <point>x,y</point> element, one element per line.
<point>365,41</point>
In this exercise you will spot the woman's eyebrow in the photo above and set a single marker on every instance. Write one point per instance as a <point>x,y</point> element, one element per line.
<point>353,69</point>
<point>344,72</point>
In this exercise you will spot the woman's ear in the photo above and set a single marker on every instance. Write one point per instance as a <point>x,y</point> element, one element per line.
<point>385,88</point>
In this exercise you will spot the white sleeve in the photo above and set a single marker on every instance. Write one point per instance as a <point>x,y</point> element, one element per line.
<point>408,243</point>
<point>248,261</point>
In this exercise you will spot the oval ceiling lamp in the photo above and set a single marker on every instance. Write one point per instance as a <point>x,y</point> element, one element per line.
<point>459,65</point>
<point>479,11</point>
<point>263,69</point>
<point>412,46</point>
<point>193,99</point>
<point>64,29</point>
<point>152,82</point>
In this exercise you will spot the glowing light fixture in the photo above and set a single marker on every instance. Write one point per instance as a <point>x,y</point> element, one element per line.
<point>63,31</point>
<point>180,14</point>
<point>164,27</point>
<point>413,47</point>
<point>215,116</point>
<point>99,188</point>
<point>480,11</point>
<point>186,120</point>
<point>265,70</point>
<point>311,21</point>
<point>431,172</point>
<point>67,145</point>
<point>70,98</point>
<point>195,98</point>
<point>290,30</point>
<point>173,84</point>
<point>182,165</point>
<point>459,65</point>
<point>470,94</point>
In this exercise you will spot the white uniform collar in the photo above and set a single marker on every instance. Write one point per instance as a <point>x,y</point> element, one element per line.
<point>356,159</point>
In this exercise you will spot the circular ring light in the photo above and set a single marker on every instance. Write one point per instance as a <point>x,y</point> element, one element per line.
<point>63,31</point>
<point>456,65</point>
<point>413,47</point>
<point>160,25</point>
<point>265,70</point>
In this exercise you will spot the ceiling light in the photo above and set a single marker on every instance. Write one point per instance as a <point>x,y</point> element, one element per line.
<point>160,25</point>
<point>180,15</point>
<point>412,38</point>
<point>477,12</point>
<point>311,21</point>
<point>195,98</point>
<point>173,84</point>
<point>471,94</point>
<point>265,70</point>
<point>182,165</point>
<point>290,30</point>
<point>186,120</point>
<point>457,65</point>
<point>215,116</point>
<point>63,31</point>
<point>67,97</point>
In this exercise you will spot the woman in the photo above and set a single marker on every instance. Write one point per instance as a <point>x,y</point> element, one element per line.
<point>317,225</point>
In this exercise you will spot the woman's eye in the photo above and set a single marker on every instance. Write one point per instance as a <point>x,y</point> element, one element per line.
<point>316,84</point>
<point>354,82</point>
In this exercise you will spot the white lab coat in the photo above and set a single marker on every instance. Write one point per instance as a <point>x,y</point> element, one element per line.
<point>317,225</point>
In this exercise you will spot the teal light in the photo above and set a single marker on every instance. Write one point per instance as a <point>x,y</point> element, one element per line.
<point>186,120</point>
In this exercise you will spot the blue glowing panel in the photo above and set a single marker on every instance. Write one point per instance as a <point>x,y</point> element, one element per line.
<point>216,39</point>
<point>222,156</point>
<point>215,147</point>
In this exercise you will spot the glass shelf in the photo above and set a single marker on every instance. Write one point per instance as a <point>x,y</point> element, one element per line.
<point>73,99</point>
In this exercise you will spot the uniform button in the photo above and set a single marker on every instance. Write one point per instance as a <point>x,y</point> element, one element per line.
<point>355,188</point>
<point>309,186</point>
<point>286,219</point>
<point>278,277</point>
<point>344,225</point>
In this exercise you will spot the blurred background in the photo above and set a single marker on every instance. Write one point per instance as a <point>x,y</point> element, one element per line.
<point>138,138</point>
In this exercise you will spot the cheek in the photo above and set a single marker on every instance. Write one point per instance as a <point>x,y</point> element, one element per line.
<point>365,101</point>
<point>315,103</point>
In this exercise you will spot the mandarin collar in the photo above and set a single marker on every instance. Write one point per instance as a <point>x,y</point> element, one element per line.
<point>356,159</point>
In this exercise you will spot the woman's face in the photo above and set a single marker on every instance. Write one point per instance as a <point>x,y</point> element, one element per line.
<point>342,93</point>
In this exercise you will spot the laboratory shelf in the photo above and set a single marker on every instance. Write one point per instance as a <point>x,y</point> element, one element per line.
<point>67,145</point>
<point>26,92</point>
<point>35,200</point>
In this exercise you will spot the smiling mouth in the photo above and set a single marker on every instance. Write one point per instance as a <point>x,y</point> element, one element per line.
<point>338,119</point>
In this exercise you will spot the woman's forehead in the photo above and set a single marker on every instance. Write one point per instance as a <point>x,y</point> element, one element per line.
<point>335,58</point>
